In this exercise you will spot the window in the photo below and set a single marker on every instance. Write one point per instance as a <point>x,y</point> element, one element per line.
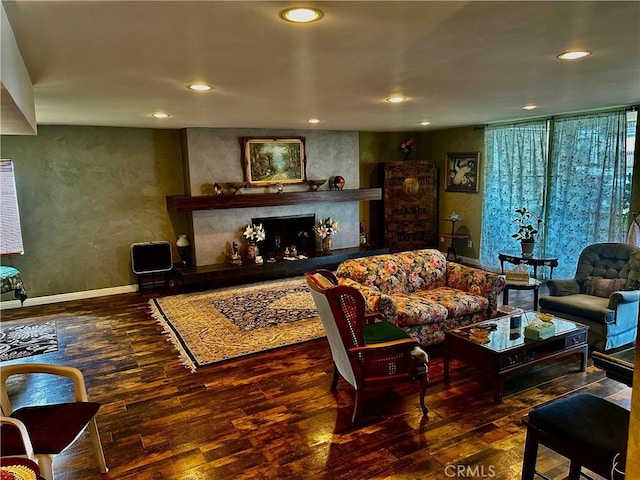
<point>10,231</point>
<point>574,172</point>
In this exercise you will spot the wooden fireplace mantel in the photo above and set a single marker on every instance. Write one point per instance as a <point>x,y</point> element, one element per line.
<point>189,203</point>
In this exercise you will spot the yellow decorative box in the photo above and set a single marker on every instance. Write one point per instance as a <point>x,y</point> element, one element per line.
<point>539,330</point>
<point>516,276</point>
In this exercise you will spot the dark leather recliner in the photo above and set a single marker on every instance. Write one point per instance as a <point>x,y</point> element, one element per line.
<point>604,294</point>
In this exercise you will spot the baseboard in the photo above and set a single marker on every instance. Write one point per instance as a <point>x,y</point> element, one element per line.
<point>65,297</point>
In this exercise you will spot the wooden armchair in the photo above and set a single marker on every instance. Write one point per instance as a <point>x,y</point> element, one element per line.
<point>51,428</point>
<point>365,353</point>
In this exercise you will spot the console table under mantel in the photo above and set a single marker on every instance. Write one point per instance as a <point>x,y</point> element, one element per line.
<point>189,203</point>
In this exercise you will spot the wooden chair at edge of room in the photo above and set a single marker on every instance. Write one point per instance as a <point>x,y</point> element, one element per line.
<point>51,427</point>
<point>365,352</point>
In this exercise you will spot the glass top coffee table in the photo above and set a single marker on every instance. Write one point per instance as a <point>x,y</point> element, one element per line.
<point>507,351</point>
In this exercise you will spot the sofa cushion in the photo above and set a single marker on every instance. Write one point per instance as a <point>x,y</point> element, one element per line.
<point>383,332</point>
<point>580,305</point>
<point>457,302</point>
<point>415,310</point>
<point>425,269</point>
<point>603,287</point>
<point>383,272</point>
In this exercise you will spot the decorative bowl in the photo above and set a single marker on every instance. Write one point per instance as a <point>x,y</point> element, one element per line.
<point>315,184</point>
<point>237,187</point>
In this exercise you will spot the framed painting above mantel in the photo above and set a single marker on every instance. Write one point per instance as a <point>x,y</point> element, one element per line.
<point>269,161</point>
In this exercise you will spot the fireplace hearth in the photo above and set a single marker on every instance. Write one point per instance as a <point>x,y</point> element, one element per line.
<point>287,231</point>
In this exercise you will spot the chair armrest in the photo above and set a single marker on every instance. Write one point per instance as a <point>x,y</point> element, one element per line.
<point>75,375</point>
<point>623,296</point>
<point>477,282</point>
<point>393,343</point>
<point>562,288</point>
<point>474,280</point>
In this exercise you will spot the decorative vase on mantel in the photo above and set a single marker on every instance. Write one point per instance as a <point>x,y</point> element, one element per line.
<point>252,251</point>
<point>327,245</point>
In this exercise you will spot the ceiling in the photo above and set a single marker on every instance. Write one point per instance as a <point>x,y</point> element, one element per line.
<point>458,63</point>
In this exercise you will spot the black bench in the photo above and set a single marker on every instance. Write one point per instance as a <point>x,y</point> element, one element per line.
<point>590,431</point>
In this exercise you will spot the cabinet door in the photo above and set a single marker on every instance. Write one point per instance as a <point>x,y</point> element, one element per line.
<point>410,205</point>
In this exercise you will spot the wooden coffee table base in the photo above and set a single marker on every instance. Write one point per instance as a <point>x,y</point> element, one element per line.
<point>502,358</point>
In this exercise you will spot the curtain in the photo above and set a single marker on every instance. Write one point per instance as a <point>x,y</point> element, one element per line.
<point>515,174</point>
<point>586,190</point>
<point>578,188</point>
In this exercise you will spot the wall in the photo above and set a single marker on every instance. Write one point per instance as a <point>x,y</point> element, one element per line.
<point>468,205</point>
<point>214,156</point>
<point>85,195</point>
<point>376,147</point>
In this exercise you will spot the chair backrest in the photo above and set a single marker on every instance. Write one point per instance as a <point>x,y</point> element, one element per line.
<point>610,261</point>
<point>323,286</point>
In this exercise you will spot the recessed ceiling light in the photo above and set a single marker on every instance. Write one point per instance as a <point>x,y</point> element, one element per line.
<point>424,124</point>
<point>313,120</point>
<point>529,107</point>
<point>160,115</point>
<point>301,15</point>
<point>573,55</point>
<point>396,99</point>
<point>200,87</point>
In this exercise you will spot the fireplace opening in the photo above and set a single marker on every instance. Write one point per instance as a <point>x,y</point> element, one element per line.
<point>285,232</point>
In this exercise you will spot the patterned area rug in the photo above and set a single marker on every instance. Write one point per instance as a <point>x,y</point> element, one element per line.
<point>233,322</point>
<point>19,341</point>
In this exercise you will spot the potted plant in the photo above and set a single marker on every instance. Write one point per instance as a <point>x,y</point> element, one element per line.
<point>253,234</point>
<point>324,229</point>
<point>407,148</point>
<point>528,228</point>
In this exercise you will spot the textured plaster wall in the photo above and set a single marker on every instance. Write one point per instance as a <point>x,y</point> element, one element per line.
<point>85,195</point>
<point>214,155</point>
<point>468,205</point>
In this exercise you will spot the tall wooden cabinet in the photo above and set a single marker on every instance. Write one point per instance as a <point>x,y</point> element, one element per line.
<point>410,203</point>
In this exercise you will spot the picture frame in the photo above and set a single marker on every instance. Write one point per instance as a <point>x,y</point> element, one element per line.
<point>269,161</point>
<point>461,173</point>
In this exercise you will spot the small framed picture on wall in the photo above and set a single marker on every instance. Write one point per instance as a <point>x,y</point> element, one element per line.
<point>462,172</point>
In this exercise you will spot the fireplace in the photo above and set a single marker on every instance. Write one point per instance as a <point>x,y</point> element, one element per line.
<point>286,231</point>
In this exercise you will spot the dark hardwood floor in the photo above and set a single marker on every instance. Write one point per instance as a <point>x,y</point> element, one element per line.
<point>272,415</point>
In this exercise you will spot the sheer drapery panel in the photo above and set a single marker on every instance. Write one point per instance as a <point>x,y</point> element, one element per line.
<point>570,171</point>
<point>514,176</point>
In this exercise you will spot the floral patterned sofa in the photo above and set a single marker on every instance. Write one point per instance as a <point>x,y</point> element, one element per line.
<point>422,292</point>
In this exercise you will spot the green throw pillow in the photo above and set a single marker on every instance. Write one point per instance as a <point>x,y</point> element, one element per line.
<point>383,332</point>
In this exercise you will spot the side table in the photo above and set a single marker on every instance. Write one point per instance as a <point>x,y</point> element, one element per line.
<point>453,236</point>
<point>532,284</point>
<point>516,258</point>
<point>452,248</point>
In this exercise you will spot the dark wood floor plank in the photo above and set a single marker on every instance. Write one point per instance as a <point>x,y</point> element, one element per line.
<point>273,416</point>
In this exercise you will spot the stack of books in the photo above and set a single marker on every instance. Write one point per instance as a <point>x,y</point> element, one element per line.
<point>517,277</point>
